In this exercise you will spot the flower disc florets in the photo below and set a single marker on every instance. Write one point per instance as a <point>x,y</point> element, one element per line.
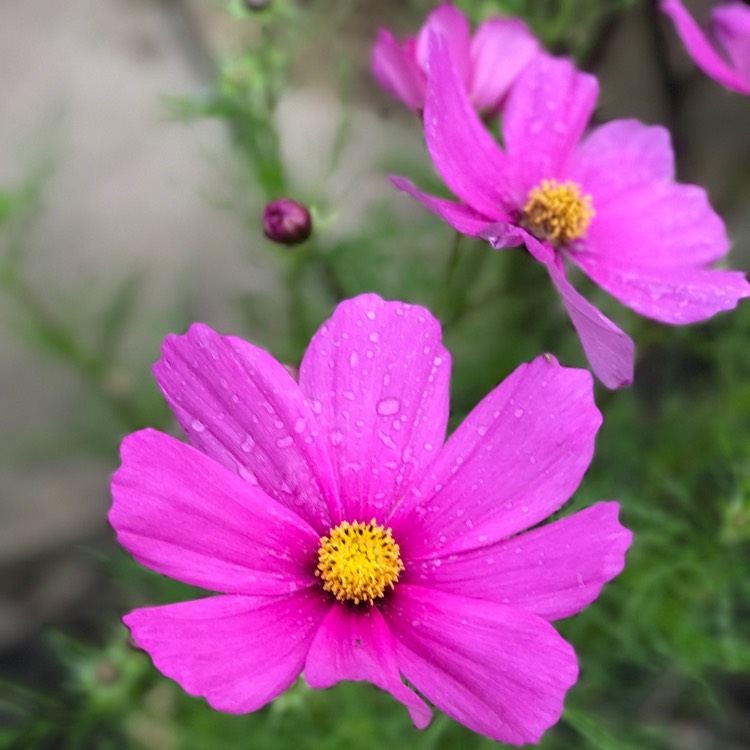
<point>557,212</point>
<point>358,561</point>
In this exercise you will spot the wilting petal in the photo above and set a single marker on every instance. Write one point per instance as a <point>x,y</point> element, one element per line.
<point>516,459</point>
<point>702,51</point>
<point>500,50</point>
<point>662,226</point>
<point>610,351</point>
<point>452,25</point>
<point>352,645</point>
<point>553,571</point>
<point>465,154</point>
<point>498,670</point>
<point>377,375</point>
<point>461,217</point>
<point>184,515</point>
<point>620,156</point>
<point>730,24</point>
<point>675,296</point>
<point>239,652</point>
<point>543,119</point>
<point>241,407</point>
<point>397,71</point>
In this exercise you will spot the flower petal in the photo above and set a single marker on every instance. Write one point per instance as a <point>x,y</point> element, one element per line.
<point>239,652</point>
<point>452,25</point>
<point>239,406</point>
<point>620,156</point>
<point>730,24</point>
<point>356,645</point>
<point>610,351</point>
<point>701,50</point>
<point>500,50</point>
<point>553,571</point>
<point>465,154</point>
<point>676,296</point>
<point>543,119</point>
<point>378,377</point>
<point>397,71</point>
<point>461,217</point>
<point>184,515</point>
<point>499,670</point>
<point>516,459</point>
<point>662,225</point>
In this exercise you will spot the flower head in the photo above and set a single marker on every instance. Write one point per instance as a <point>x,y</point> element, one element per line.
<point>287,222</point>
<point>608,203</point>
<point>347,540</point>
<point>488,62</point>
<point>730,29</point>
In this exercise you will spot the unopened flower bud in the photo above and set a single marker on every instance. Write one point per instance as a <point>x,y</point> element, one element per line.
<point>286,221</point>
<point>256,4</point>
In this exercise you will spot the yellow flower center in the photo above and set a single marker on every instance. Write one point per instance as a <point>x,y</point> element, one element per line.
<point>358,561</point>
<point>557,212</point>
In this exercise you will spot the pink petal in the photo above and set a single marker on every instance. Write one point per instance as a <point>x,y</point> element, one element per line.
<point>465,154</point>
<point>498,670</point>
<point>661,226</point>
<point>239,406</point>
<point>677,296</point>
<point>516,459</point>
<point>610,352</point>
<point>553,571</point>
<point>357,645</point>
<point>184,515</point>
<point>701,50</point>
<point>239,652</point>
<point>500,50</point>
<point>730,24</point>
<point>452,25</point>
<point>620,156</point>
<point>397,71</point>
<point>377,376</point>
<point>543,119</point>
<point>461,217</point>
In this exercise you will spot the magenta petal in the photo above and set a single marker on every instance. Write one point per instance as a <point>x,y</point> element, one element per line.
<point>397,71</point>
<point>377,376</point>
<point>184,515</point>
<point>701,50</point>
<point>357,645</point>
<point>239,652</point>
<point>610,352</point>
<point>461,217</point>
<point>498,670</point>
<point>452,25</point>
<point>730,24</point>
<point>516,459</point>
<point>239,406</point>
<point>500,50</point>
<point>465,154</point>
<point>677,296</point>
<point>553,571</point>
<point>620,156</point>
<point>543,119</point>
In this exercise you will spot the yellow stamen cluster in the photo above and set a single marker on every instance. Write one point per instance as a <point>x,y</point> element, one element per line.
<point>358,561</point>
<point>557,212</point>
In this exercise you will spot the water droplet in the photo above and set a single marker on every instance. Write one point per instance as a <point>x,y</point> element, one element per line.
<point>299,425</point>
<point>428,446</point>
<point>247,444</point>
<point>285,441</point>
<point>197,425</point>
<point>387,407</point>
<point>370,314</point>
<point>337,437</point>
<point>374,337</point>
<point>316,407</point>
<point>518,413</point>
<point>353,359</point>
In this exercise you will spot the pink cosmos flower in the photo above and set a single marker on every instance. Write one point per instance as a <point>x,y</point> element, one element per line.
<point>349,541</point>
<point>488,63</point>
<point>730,27</point>
<point>609,204</point>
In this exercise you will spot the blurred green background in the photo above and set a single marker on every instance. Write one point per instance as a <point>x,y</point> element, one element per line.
<point>141,141</point>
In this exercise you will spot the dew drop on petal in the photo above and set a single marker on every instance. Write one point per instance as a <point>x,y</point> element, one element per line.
<point>387,407</point>
<point>197,425</point>
<point>285,441</point>
<point>299,425</point>
<point>353,359</point>
<point>518,413</point>
<point>247,444</point>
<point>337,437</point>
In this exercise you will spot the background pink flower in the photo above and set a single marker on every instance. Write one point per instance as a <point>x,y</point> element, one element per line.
<point>608,203</point>
<point>730,28</point>
<point>488,62</point>
<point>275,470</point>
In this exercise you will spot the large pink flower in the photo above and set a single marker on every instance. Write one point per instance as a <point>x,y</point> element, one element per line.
<point>609,204</point>
<point>730,27</point>
<point>488,63</point>
<point>349,541</point>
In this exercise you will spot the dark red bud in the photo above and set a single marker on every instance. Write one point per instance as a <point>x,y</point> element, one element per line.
<point>287,222</point>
